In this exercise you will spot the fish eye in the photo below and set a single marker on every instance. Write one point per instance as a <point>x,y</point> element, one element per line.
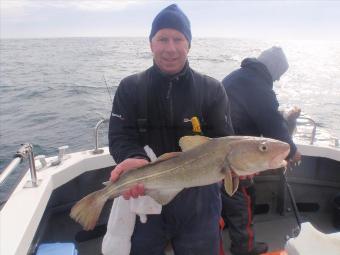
<point>263,147</point>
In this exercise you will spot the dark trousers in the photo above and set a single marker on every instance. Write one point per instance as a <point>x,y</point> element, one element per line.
<point>237,213</point>
<point>190,223</point>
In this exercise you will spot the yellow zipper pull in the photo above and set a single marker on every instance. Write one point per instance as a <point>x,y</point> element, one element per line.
<point>196,126</point>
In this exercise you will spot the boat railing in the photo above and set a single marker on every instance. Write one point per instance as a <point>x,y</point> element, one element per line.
<point>306,121</point>
<point>24,152</point>
<point>96,131</point>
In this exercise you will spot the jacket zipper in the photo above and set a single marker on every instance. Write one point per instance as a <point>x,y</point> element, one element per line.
<point>169,98</point>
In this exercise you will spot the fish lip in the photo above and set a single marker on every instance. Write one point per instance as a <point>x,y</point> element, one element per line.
<point>277,162</point>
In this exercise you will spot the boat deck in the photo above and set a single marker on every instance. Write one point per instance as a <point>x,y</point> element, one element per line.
<point>275,229</point>
<point>314,183</point>
<point>271,228</point>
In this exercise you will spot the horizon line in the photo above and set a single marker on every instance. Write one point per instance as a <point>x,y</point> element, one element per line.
<point>146,37</point>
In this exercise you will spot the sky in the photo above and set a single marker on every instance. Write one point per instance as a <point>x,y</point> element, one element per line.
<point>291,20</point>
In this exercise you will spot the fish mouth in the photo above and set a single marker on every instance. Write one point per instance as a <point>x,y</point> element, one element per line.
<point>277,162</point>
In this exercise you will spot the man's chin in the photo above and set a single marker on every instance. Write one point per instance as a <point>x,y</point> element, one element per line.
<point>170,70</point>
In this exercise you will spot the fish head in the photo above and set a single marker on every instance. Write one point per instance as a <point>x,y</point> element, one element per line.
<point>250,155</point>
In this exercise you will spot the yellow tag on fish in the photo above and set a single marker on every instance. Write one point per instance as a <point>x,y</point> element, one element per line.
<point>196,126</point>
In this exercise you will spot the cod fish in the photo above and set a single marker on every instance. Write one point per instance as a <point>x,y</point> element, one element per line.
<point>291,116</point>
<point>203,161</point>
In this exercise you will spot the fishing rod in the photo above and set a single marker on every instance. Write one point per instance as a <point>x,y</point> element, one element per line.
<point>293,202</point>
<point>108,90</point>
<point>291,120</point>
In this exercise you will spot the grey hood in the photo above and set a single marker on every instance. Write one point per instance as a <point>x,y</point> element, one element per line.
<point>275,61</point>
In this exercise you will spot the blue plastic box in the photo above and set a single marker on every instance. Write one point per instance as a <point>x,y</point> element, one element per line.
<point>57,249</point>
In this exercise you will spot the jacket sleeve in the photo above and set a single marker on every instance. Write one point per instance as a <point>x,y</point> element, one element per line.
<point>218,115</point>
<point>263,109</point>
<point>123,133</point>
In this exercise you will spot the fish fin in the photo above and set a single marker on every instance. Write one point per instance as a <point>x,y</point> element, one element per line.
<point>87,211</point>
<point>231,183</point>
<point>189,142</point>
<point>225,167</point>
<point>163,196</point>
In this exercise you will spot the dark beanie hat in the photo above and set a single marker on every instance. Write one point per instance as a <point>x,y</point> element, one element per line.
<point>171,17</point>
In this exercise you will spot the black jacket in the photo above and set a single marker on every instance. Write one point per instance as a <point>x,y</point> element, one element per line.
<point>254,106</point>
<point>171,102</point>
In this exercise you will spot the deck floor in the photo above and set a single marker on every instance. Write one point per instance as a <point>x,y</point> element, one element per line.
<point>275,229</point>
<point>272,229</point>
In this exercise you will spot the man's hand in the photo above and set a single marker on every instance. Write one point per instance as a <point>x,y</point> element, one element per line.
<point>126,165</point>
<point>296,158</point>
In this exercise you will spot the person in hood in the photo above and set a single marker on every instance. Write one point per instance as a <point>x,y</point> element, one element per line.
<point>154,108</point>
<point>254,112</point>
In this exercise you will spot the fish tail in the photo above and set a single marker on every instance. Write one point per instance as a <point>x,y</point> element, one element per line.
<point>87,211</point>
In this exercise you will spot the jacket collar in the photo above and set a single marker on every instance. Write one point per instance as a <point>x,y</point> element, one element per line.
<point>173,77</point>
<point>256,66</point>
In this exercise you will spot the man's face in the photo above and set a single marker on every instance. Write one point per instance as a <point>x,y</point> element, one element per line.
<point>170,49</point>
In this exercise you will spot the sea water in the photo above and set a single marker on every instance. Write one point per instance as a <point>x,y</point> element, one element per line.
<point>53,91</point>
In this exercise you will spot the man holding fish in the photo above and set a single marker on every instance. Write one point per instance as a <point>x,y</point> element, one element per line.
<point>174,95</point>
<point>169,107</point>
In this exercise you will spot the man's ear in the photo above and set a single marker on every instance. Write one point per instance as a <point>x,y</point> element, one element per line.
<point>151,46</point>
